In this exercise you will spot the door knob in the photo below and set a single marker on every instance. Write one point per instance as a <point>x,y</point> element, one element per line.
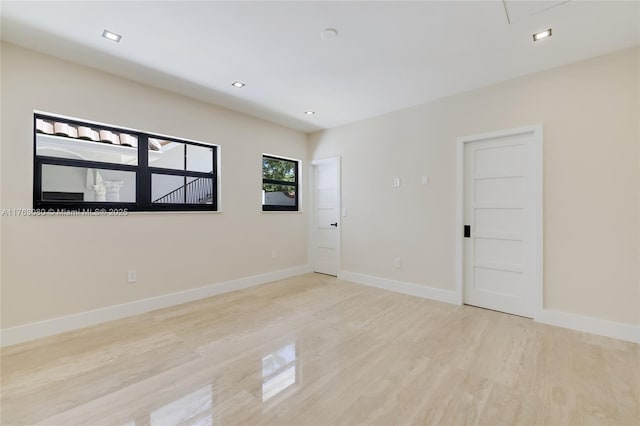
<point>334,224</point>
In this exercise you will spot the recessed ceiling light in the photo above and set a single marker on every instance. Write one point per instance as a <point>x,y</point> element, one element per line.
<point>329,33</point>
<point>541,35</point>
<point>238,84</point>
<point>309,112</point>
<point>111,36</point>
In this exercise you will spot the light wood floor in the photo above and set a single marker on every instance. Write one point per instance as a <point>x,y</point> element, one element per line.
<point>317,350</point>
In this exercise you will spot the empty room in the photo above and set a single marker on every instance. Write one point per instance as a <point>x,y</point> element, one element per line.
<point>320,213</point>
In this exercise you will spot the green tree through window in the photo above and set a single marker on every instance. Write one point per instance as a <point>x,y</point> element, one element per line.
<point>279,183</point>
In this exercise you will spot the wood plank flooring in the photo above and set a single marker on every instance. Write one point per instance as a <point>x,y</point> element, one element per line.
<point>314,350</point>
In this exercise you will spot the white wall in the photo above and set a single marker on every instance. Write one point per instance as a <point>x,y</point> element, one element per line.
<point>55,266</point>
<point>591,124</point>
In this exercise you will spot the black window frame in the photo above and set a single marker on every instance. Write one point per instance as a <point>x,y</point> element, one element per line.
<point>143,172</point>
<point>295,184</point>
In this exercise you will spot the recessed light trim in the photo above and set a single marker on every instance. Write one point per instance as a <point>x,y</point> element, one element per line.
<point>238,84</point>
<point>111,36</point>
<point>310,112</point>
<point>542,34</point>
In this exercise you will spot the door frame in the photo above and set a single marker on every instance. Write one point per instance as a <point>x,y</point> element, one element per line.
<point>312,193</point>
<point>536,198</point>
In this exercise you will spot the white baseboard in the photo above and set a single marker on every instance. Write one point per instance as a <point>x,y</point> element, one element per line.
<point>23,333</point>
<point>576,322</point>
<point>412,289</point>
<point>616,330</point>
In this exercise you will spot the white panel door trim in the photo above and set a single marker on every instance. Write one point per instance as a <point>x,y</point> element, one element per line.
<point>312,221</point>
<point>536,132</point>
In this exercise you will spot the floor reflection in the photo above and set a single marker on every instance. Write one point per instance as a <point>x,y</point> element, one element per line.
<point>195,407</point>
<point>278,371</point>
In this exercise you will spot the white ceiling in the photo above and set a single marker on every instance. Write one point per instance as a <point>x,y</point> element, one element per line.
<point>387,56</point>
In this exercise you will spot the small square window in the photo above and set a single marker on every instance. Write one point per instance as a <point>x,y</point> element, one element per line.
<point>279,184</point>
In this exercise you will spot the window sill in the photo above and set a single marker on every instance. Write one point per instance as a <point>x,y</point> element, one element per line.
<point>178,212</point>
<point>281,212</point>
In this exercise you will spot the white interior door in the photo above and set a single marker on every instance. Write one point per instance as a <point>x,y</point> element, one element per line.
<point>326,202</point>
<point>501,207</point>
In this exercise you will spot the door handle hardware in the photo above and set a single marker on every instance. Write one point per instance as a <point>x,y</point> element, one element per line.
<point>334,224</point>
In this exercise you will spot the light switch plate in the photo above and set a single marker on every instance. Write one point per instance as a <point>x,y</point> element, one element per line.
<point>396,182</point>
<point>425,180</point>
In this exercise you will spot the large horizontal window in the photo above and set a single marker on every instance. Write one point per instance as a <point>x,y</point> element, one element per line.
<point>81,165</point>
<point>279,184</point>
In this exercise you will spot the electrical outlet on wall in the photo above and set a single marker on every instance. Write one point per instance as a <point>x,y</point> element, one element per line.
<point>274,254</point>
<point>132,276</point>
<point>396,263</point>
